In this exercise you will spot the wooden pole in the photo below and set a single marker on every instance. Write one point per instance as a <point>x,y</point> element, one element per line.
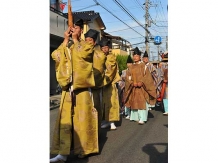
<point>70,14</point>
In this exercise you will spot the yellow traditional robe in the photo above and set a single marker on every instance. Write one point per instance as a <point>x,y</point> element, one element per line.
<point>110,91</point>
<point>99,59</point>
<point>83,114</point>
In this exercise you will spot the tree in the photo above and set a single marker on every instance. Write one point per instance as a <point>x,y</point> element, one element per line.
<point>121,61</point>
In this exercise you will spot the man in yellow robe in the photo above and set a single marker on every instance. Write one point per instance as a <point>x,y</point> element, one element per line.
<point>99,59</point>
<point>111,107</point>
<point>83,134</point>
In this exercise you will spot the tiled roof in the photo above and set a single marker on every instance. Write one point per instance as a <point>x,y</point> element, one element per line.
<point>87,16</point>
<point>113,37</point>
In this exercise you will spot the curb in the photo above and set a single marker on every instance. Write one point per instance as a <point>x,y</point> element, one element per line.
<point>55,101</point>
<point>54,107</point>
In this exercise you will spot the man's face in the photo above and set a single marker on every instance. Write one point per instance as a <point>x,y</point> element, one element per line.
<point>155,65</point>
<point>145,59</point>
<point>105,49</point>
<point>129,64</point>
<point>160,65</point>
<point>77,30</point>
<point>136,58</point>
<point>90,40</point>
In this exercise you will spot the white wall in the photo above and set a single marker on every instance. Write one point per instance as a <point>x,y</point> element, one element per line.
<point>58,24</point>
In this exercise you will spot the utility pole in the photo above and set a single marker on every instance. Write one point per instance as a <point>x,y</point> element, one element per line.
<point>146,25</point>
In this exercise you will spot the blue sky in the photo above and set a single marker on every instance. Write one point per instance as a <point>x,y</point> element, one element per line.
<point>157,10</point>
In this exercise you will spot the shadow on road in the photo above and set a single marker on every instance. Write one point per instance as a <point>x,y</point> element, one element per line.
<point>150,115</point>
<point>156,156</point>
<point>103,134</point>
<point>159,108</point>
<point>74,159</point>
<point>166,125</point>
<point>119,123</point>
<point>103,138</point>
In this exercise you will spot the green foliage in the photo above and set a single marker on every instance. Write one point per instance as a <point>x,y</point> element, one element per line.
<point>121,60</point>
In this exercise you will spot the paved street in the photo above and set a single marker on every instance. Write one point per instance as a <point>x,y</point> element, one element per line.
<point>130,143</point>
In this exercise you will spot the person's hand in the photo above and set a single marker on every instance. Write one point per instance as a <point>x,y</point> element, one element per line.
<point>75,34</point>
<point>67,34</point>
<point>139,84</point>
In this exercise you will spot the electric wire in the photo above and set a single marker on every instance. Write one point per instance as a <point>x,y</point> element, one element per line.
<point>117,17</point>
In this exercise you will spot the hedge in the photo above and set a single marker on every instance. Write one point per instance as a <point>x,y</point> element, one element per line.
<point>121,60</point>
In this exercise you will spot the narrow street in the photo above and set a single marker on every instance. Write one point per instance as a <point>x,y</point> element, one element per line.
<point>130,143</point>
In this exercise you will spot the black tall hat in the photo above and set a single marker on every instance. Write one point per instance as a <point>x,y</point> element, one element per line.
<point>145,54</point>
<point>129,59</point>
<point>104,42</point>
<point>79,23</point>
<point>136,51</point>
<point>92,33</point>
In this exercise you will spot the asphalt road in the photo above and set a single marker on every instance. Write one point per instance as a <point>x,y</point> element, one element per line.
<point>130,143</point>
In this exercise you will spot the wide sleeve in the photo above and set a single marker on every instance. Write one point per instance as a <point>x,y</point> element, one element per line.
<point>111,69</point>
<point>148,84</point>
<point>166,74</point>
<point>99,59</point>
<point>128,79</point>
<point>123,75</point>
<point>85,50</point>
<point>128,85</point>
<point>56,54</point>
<point>154,73</point>
<point>83,76</point>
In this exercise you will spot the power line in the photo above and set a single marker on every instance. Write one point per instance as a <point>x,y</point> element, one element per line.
<point>128,13</point>
<point>158,11</point>
<point>87,7</point>
<point>116,17</point>
<point>158,25</point>
<point>141,7</point>
<point>123,29</point>
<point>134,38</point>
<point>162,10</point>
<point>118,21</point>
<point>138,43</point>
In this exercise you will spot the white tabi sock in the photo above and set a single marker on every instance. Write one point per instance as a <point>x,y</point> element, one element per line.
<point>59,158</point>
